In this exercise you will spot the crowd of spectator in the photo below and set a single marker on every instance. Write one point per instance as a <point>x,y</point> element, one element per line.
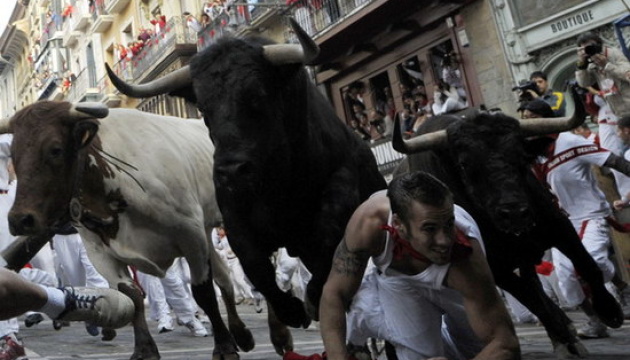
<point>376,124</point>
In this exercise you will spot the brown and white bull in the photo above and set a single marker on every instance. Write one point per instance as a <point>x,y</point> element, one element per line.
<point>139,189</point>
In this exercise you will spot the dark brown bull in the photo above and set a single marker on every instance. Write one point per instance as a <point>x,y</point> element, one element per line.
<point>140,203</point>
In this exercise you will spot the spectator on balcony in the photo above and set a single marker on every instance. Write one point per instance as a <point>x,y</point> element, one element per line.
<point>377,125</point>
<point>446,99</point>
<point>67,11</point>
<point>65,85</point>
<point>205,20</point>
<point>191,21</point>
<point>452,75</point>
<point>302,13</point>
<point>145,35</point>
<point>359,130</point>
<point>123,52</point>
<point>159,22</point>
<point>214,9</point>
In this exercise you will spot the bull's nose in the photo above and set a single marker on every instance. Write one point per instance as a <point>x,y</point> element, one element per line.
<point>513,210</point>
<point>21,224</point>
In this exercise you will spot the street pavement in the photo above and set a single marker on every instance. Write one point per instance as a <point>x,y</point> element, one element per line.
<point>71,343</point>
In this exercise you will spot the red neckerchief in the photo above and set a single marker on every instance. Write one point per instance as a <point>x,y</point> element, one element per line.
<point>461,249</point>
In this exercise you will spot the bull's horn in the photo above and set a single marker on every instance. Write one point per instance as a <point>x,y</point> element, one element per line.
<point>419,143</point>
<point>542,126</point>
<point>175,80</point>
<point>5,125</point>
<point>306,52</point>
<point>88,110</point>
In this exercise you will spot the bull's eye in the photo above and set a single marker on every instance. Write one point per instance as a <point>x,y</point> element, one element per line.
<point>56,152</point>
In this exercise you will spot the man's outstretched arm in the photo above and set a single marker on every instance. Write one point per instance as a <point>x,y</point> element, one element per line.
<point>486,311</point>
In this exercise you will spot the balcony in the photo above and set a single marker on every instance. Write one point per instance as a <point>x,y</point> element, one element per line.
<point>70,38</point>
<point>51,30</point>
<point>116,6</point>
<point>79,17</point>
<point>106,89</point>
<point>174,40</point>
<point>101,19</point>
<point>82,90</point>
<point>102,23</point>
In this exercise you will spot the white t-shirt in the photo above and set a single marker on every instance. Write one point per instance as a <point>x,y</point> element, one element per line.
<point>570,176</point>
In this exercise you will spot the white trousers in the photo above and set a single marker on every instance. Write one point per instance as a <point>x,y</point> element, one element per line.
<point>419,322</point>
<point>73,265</point>
<point>596,240</point>
<point>168,291</point>
<point>242,287</point>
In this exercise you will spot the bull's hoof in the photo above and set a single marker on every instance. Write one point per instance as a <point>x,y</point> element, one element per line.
<point>281,339</point>
<point>225,352</point>
<point>293,314</point>
<point>244,338</point>
<point>607,308</point>
<point>575,350</point>
<point>139,356</point>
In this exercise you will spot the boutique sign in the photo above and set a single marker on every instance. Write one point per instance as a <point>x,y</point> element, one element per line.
<point>572,21</point>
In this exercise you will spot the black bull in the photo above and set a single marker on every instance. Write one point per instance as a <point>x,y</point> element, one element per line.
<point>486,162</point>
<point>288,172</point>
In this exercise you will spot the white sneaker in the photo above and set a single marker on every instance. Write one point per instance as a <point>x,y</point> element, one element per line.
<point>196,327</point>
<point>593,330</point>
<point>165,324</point>
<point>101,306</point>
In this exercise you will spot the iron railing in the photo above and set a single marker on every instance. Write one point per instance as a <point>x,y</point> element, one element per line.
<point>161,45</point>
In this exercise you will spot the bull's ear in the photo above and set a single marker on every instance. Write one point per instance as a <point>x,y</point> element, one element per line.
<point>84,132</point>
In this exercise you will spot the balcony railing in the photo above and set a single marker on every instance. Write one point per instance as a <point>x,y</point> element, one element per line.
<point>314,16</point>
<point>242,14</point>
<point>161,44</point>
<point>317,16</point>
<point>80,87</point>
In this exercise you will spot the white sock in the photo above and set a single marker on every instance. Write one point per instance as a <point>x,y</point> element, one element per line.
<point>56,302</point>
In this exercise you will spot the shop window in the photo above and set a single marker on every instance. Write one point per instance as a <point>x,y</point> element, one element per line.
<point>449,93</point>
<point>355,109</point>
<point>382,97</point>
<point>414,95</point>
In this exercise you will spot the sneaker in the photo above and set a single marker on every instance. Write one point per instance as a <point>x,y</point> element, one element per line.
<point>593,330</point>
<point>11,348</point>
<point>257,305</point>
<point>196,327</point>
<point>33,319</point>
<point>165,324</point>
<point>101,306</point>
